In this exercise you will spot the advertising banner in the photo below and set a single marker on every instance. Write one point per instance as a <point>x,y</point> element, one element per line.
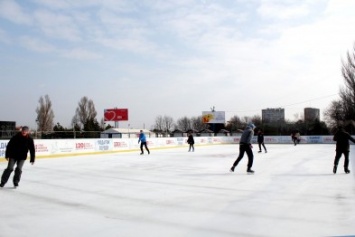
<point>3,144</point>
<point>116,115</point>
<point>213,117</point>
<point>60,147</point>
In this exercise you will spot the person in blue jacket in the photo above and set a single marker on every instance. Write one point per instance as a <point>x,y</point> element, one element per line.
<point>143,140</point>
<point>246,146</point>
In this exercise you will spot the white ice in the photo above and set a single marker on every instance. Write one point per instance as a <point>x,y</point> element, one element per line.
<point>172,192</point>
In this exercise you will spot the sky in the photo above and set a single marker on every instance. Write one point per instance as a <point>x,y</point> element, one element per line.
<point>173,58</point>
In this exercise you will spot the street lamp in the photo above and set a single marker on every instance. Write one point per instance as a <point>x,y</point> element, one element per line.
<point>36,128</point>
<point>74,130</point>
<point>129,135</point>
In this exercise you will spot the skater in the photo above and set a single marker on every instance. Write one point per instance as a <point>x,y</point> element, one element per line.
<point>261,140</point>
<point>143,140</point>
<point>342,147</point>
<point>295,136</point>
<point>298,137</point>
<point>191,142</point>
<point>246,146</point>
<point>16,154</point>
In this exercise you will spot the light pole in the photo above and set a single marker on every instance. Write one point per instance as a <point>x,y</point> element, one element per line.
<point>36,128</point>
<point>74,130</point>
<point>129,135</point>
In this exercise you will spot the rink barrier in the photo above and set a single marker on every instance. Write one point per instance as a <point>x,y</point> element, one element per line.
<point>71,147</point>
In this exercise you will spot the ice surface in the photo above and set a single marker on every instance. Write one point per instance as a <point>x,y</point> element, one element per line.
<point>173,192</point>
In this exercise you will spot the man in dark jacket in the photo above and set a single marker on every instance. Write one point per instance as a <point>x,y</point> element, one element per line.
<point>245,146</point>
<point>261,140</point>
<point>16,153</point>
<point>191,142</point>
<point>342,147</point>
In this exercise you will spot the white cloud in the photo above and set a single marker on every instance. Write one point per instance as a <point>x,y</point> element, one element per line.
<point>79,53</point>
<point>57,26</point>
<point>4,37</point>
<point>13,12</point>
<point>222,55</point>
<point>37,45</point>
<point>283,11</point>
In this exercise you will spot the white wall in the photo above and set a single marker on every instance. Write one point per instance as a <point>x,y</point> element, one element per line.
<point>52,147</point>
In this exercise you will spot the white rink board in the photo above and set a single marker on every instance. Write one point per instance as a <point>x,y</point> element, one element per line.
<point>58,147</point>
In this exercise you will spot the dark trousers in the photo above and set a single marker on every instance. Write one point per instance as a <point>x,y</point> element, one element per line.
<point>191,147</point>
<point>145,145</point>
<point>10,167</point>
<point>261,143</point>
<point>242,149</point>
<point>337,158</point>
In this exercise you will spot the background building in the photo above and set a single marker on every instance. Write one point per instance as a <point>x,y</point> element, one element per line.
<point>311,114</point>
<point>274,115</point>
<point>7,129</point>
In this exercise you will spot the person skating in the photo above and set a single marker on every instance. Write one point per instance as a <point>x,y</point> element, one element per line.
<point>298,137</point>
<point>16,154</point>
<point>191,142</point>
<point>293,138</point>
<point>143,140</point>
<point>261,140</point>
<point>246,146</point>
<point>342,147</point>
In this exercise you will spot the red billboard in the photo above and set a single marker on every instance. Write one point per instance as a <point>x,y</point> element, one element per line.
<point>116,115</point>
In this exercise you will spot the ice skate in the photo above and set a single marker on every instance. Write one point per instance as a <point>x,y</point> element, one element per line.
<point>2,185</point>
<point>347,171</point>
<point>142,153</point>
<point>335,169</point>
<point>259,151</point>
<point>250,171</point>
<point>232,169</point>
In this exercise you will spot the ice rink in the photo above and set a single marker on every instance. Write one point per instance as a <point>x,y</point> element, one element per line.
<point>172,192</point>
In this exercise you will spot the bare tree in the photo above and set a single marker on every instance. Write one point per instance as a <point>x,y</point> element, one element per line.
<point>84,112</point>
<point>159,124</point>
<point>334,113</point>
<point>256,119</point>
<point>197,123</point>
<point>347,94</point>
<point>168,123</point>
<point>45,114</point>
<point>183,124</point>
<point>234,123</point>
<point>343,110</point>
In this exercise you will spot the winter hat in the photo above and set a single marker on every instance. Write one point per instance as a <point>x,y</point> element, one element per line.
<point>24,128</point>
<point>251,125</point>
